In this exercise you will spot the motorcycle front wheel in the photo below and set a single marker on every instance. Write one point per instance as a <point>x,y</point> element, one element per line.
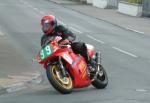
<point>62,84</point>
<point>102,80</point>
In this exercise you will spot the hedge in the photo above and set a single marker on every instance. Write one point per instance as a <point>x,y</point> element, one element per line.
<point>135,1</point>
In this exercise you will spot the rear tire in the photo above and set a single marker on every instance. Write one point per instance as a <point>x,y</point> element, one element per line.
<point>54,77</point>
<point>102,80</point>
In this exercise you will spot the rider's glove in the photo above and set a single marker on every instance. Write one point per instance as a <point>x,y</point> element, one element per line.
<point>65,42</point>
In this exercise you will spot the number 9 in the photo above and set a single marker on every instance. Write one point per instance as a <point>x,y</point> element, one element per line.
<point>48,50</point>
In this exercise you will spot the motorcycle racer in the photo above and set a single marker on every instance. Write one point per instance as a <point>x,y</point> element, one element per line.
<point>51,28</point>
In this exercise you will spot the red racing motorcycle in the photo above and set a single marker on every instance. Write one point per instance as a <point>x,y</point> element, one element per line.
<point>66,70</point>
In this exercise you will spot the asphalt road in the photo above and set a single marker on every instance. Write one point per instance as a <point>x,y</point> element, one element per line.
<point>125,54</point>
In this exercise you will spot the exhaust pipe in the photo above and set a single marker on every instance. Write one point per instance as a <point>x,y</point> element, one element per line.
<point>98,62</point>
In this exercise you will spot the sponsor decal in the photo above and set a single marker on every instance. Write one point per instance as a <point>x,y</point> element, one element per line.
<point>68,58</point>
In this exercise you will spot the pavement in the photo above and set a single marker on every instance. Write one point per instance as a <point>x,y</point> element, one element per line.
<point>140,25</point>
<point>70,2</point>
<point>16,72</point>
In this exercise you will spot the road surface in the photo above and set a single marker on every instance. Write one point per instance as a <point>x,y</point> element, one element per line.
<point>125,54</point>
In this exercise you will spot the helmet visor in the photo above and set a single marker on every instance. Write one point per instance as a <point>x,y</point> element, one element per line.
<point>46,26</point>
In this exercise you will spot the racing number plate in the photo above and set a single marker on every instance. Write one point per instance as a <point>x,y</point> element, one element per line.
<point>46,52</point>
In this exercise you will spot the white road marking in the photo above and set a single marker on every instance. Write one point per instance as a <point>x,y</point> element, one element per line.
<point>34,60</point>
<point>41,12</point>
<point>141,90</point>
<point>24,2</point>
<point>36,9</point>
<point>21,1</point>
<point>125,52</point>
<point>96,39</point>
<point>30,6</point>
<point>1,34</point>
<point>135,31</point>
<point>15,87</point>
<point>74,29</point>
<point>18,77</point>
<point>80,27</point>
<point>59,21</point>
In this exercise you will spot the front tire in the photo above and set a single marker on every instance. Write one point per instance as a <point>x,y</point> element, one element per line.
<point>55,78</point>
<point>102,80</point>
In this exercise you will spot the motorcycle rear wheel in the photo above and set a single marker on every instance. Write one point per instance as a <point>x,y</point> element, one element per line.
<point>102,80</point>
<point>55,78</point>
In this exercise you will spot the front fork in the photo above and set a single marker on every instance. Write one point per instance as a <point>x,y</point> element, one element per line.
<point>63,71</point>
<point>98,58</point>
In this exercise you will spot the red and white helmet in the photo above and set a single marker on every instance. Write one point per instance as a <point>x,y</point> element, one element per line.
<point>48,23</point>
